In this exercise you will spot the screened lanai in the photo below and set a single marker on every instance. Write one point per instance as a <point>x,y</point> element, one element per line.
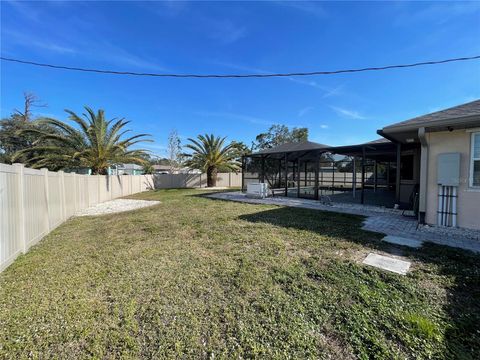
<point>368,173</point>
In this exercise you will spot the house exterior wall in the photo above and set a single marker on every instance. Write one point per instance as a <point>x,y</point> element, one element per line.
<point>468,202</point>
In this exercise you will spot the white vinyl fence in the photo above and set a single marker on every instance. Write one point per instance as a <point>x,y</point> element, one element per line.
<point>34,202</point>
<point>171,181</point>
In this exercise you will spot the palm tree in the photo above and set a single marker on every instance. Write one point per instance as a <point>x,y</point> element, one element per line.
<point>210,155</point>
<point>97,143</point>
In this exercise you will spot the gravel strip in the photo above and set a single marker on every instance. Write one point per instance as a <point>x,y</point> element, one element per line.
<point>115,206</point>
<point>213,188</point>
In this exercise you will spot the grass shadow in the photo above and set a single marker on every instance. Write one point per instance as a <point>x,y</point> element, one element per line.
<point>460,268</point>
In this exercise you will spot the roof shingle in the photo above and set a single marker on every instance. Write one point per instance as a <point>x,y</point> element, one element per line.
<point>460,111</point>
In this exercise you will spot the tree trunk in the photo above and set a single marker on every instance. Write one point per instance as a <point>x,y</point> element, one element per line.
<point>99,170</point>
<point>211,176</point>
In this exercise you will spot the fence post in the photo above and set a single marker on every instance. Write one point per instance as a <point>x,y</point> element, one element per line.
<point>75,191</point>
<point>86,180</point>
<point>21,206</point>
<point>63,195</point>
<point>98,188</point>
<point>230,179</point>
<point>110,186</point>
<point>45,182</point>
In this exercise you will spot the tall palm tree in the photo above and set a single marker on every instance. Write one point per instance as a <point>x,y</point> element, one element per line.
<point>95,143</point>
<point>210,155</point>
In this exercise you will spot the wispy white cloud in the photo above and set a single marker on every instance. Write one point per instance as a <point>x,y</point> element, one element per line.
<point>24,9</point>
<point>305,110</point>
<point>242,117</point>
<point>104,51</point>
<point>327,91</point>
<point>439,12</point>
<point>225,30</point>
<point>31,40</point>
<point>334,91</point>
<point>239,67</point>
<point>308,7</point>
<point>154,148</point>
<point>348,113</point>
<point>235,116</point>
<point>170,7</point>
<point>118,55</point>
<point>324,126</point>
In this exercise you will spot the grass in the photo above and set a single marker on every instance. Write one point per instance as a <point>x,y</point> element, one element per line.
<point>201,278</point>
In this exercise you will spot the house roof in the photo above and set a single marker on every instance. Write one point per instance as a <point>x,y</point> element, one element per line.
<point>129,166</point>
<point>444,117</point>
<point>293,147</point>
<point>381,147</point>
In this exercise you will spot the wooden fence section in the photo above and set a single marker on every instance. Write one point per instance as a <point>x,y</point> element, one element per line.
<point>171,181</point>
<point>34,202</point>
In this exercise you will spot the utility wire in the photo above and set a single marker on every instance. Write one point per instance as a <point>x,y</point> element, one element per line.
<point>267,75</point>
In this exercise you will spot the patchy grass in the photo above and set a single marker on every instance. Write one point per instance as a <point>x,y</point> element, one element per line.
<point>201,278</point>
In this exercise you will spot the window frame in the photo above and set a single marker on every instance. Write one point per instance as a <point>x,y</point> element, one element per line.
<point>473,159</point>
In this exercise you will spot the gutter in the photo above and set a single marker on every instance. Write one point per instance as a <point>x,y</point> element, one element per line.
<point>388,137</point>
<point>422,202</point>
<point>458,121</point>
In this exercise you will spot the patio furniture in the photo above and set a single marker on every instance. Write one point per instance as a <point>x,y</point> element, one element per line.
<point>413,202</point>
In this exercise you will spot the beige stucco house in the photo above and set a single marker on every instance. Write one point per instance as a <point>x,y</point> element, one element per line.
<point>447,163</point>
<point>429,165</point>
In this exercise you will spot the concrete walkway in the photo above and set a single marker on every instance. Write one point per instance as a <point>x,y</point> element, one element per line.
<point>398,229</point>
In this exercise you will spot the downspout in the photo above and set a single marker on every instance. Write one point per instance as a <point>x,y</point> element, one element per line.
<point>422,201</point>
<point>243,174</point>
<point>362,194</point>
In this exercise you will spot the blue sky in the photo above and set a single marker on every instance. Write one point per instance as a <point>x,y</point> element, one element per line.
<point>185,37</point>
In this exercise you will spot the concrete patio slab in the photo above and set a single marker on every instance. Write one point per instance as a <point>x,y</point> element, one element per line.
<point>378,219</point>
<point>403,241</point>
<point>387,263</point>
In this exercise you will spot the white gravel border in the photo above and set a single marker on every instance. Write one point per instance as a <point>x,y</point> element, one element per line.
<point>115,206</point>
<point>213,188</point>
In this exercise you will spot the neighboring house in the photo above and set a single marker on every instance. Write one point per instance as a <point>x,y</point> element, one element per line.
<point>165,169</point>
<point>447,164</point>
<point>161,169</point>
<point>430,163</point>
<point>125,169</point>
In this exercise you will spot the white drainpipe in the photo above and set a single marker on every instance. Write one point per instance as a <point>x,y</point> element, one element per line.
<point>440,206</point>
<point>422,201</point>
<point>454,207</point>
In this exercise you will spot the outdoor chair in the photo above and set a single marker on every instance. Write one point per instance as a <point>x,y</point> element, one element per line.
<point>413,202</point>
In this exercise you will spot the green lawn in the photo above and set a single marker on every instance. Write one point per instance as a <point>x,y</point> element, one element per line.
<point>201,278</point>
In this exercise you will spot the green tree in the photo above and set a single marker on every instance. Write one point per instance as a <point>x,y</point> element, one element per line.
<point>210,154</point>
<point>174,149</point>
<point>148,168</point>
<point>14,131</point>
<point>278,135</point>
<point>95,143</point>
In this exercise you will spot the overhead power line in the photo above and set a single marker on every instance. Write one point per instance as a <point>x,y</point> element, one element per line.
<point>266,75</point>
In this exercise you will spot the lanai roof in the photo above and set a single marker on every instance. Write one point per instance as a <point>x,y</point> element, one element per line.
<point>293,147</point>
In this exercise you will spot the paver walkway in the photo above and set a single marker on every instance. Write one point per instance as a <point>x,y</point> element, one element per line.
<point>383,220</point>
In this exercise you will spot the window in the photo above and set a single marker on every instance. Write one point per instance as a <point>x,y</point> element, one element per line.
<point>475,160</point>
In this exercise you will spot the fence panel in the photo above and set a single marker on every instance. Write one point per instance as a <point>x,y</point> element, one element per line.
<point>33,202</point>
<point>55,199</point>
<point>10,248</point>
<point>70,194</point>
<point>175,181</point>
<point>36,221</point>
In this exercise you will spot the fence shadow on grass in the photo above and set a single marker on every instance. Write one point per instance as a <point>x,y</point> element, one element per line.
<point>462,337</point>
